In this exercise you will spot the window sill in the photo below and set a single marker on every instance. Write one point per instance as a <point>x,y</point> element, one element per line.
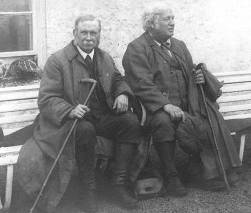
<point>17,85</point>
<point>17,54</point>
<point>31,86</point>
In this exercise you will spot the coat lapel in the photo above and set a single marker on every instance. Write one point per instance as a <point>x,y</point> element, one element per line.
<point>177,53</point>
<point>79,71</point>
<point>193,94</point>
<point>104,72</point>
<point>157,48</point>
<point>166,57</point>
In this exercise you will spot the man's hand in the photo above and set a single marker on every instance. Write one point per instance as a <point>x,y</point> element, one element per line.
<point>121,103</point>
<point>79,111</point>
<point>175,112</point>
<point>198,76</point>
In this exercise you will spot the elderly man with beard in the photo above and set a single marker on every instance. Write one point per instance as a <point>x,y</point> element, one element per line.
<point>160,71</point>
<point>107,115</point>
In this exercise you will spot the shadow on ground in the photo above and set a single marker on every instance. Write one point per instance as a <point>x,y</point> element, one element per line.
<point>238,200</point>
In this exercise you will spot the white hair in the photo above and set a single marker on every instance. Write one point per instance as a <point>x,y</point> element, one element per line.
<point>87,17</point>
<point>152,13</point>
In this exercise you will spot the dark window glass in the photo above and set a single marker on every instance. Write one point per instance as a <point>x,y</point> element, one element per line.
<point>15,25</point>
<point>15,33</point>
<point>15,5</point>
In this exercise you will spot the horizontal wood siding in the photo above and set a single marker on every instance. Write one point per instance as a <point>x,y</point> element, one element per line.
<point>18,107</point>
<point>236,99</point>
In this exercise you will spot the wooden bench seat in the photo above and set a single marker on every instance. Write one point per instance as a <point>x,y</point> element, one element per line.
<point>18,108</point>
<point>235,102</point>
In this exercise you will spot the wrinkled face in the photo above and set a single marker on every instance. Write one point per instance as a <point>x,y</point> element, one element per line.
<point>87,35</point>
<point>163,28</point>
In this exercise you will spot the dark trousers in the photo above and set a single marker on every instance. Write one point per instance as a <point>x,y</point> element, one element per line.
<point>162,127</point>
<point>121,128</point>
<point>163,131</point>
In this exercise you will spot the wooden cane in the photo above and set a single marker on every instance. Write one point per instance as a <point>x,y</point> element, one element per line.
<point>214,138</point>
<point>88,80</point>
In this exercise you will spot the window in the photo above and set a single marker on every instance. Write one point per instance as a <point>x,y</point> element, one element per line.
<point>22,29</point>
<point>16,27</point>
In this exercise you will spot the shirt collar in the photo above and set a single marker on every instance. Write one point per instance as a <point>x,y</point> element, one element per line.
<point>84,54</point>
<point>159,44</point>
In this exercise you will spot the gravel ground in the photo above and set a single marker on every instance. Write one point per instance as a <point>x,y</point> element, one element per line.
<point>238,200</point>
<point>197,201</point>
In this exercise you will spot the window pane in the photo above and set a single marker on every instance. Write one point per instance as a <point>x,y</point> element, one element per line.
<point>15,33</point>
<point>15,5</point>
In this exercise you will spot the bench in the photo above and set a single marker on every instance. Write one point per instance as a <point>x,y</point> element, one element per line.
<point>18,108</point>
<point>8,157</point>
<point>235,103</point>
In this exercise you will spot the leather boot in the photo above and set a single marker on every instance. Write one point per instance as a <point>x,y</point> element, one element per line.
<point>86,167</point>
<point>174,187</point>
<point>123,197</point>
<point>166,152</point>
<point>193,170</point>
<point>88,201</point>
<point>124,153</point>
<point>233,178</point>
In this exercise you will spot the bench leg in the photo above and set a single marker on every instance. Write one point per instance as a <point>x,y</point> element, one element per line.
<point>242,146</point>
<point>1,205</point>
<point>8,189</point>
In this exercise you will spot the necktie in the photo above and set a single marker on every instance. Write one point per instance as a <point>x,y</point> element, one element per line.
<point>88,62</point>
<point>166,45</point>
<point>166,48</point>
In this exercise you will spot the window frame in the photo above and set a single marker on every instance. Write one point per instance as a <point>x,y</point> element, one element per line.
<point>38,33</point>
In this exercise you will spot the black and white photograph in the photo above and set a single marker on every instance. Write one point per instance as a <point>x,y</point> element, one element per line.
<point>125,106</point>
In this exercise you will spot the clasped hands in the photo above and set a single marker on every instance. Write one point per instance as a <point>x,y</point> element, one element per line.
<point>120,105</point>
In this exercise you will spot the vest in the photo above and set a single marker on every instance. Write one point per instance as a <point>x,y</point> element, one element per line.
<point>177,85</point>
<point>97,102</point>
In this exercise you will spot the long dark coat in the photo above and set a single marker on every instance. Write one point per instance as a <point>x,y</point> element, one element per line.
<point>148,72</point>
<point>58,94</point>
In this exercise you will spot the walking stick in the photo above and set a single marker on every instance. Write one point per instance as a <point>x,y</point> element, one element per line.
<point>214,136</point>
<point>88,80</point>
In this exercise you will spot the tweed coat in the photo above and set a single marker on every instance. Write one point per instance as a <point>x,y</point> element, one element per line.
<point>58,95</point>
<point>148,72</point>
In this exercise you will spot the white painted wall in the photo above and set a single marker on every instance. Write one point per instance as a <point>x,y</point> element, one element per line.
<point>216,31</point>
